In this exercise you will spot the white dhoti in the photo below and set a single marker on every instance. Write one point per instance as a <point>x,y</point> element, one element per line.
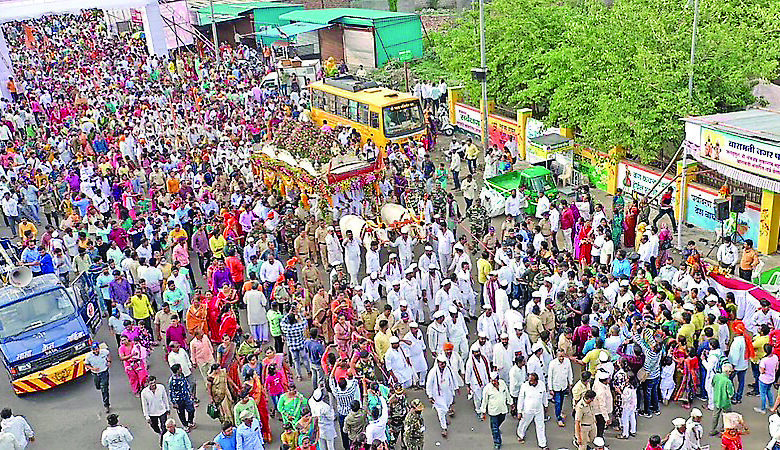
<point>538,419</point>
<point>476,392</point>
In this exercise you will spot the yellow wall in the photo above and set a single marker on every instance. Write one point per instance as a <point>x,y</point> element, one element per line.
<point>454,95</point>
<point>522,121</point>
<point>770,222</point>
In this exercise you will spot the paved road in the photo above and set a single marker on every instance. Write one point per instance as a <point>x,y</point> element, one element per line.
<point>71,416</point>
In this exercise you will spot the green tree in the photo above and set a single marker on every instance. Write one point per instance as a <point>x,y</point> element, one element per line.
<point>618,74</point>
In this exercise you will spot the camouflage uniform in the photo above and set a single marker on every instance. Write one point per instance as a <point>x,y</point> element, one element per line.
<point>398,407</point>
<point>478,219</point>
<point>439,200</point>
<point>413,430</point>
<point>416,191</point>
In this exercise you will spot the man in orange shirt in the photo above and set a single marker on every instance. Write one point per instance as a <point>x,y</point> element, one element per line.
<point>236,272</point>
<point>11,85</point>
<point>749,261</point>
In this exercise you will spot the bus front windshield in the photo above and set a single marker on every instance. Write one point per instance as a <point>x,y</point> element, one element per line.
<point>403,118</point>
<point>34,312</point>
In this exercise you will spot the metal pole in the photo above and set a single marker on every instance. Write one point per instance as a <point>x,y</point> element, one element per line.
<point>682,195</point>
<point>483,65</point>
<point>693,49</point>
<point>406,75</point>
<point>214,32</point>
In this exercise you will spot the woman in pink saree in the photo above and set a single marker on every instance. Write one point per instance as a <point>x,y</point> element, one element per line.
<point>133,356</point>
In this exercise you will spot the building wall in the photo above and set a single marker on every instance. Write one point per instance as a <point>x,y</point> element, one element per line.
<point>396,35</point>
<point>332,43</point>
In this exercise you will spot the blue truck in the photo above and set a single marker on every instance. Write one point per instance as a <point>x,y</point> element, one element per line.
<point>46,328</point>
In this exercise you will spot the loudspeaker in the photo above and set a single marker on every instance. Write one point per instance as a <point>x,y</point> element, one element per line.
<point>738,202</point>
<point>20,276</point>
<point>721,209</point>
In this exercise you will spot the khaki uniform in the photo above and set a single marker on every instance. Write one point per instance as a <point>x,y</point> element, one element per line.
<point>311,281</point>
<point>303,248</point>
<point>319,236</point>
<point>584,413</point>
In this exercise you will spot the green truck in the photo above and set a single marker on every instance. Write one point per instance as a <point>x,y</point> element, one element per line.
<point>532,181</point>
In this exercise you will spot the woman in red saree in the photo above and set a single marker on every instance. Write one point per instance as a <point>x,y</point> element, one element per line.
<point>586,243</point>
<point>228,325</point>
<point>690,379</point>
<point>257,391</point>
<point>214,306</point>
<point>629,226</point>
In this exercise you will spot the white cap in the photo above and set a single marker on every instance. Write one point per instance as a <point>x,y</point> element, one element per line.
<point>403,303</point>
<point>678,422</point>
<point>482,334</point>
<point>396,282</point>
<point>394,340</point>
<point>515,303</point>
<point>330,228</point>
<point>624,283</point>
<point>601,375</point>
<point>494,375</point>
<point>487,306</point>
<point>536,294</point>
<point>689,307</point>
<point>446,282</point>
<point>428,248</point>
<point>413,325</point>
<point>392,255</point>
<point>453,309</point>
<point>504,336</point>
<point>503,283</point>
<point>493,272</point>
<point>317,395</point>
<point>603,356</point>
<point>438,314</point>
<point>536,347</point>
<point>441,358</point>
<point>432,267</point>
<point>408,271</point>
<point>696,412</point>
<point>374,275</point>
<point>598,441</point>
<point>458,246</point>
<point>475,347</point>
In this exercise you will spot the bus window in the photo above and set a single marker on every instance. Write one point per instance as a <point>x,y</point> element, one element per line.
<point>363,113</point>
<point>341,106</point>
<point>330,103</point>
<point>353,111</point>
<point>403,118</point>
<point>374,119</point>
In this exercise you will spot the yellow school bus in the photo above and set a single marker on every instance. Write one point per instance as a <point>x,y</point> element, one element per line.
<point>380,114</point>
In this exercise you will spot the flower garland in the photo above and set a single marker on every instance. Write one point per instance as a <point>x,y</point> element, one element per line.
<point>303,140</point>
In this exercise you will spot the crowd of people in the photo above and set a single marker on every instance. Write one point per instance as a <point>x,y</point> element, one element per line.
<point>137,170</point>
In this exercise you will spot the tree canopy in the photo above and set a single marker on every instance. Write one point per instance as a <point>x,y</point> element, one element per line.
<point>617,74</point>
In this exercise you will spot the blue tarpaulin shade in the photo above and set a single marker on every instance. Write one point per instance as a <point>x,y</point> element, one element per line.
<point>291,30</point>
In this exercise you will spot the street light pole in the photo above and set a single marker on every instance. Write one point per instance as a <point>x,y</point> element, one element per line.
<point>693,49</point>
<point>214,31</point>
<point>483,65</point>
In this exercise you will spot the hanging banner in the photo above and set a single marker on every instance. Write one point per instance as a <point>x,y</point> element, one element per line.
<point>741,153</point>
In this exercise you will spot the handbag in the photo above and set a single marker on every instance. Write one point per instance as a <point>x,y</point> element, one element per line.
<point>213,411</point>
<point>641,374</point>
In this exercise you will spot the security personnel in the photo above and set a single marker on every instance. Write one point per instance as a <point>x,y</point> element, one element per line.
<point>585,420</point>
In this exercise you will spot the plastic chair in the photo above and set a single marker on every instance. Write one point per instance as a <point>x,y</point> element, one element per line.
<point>773,284</point>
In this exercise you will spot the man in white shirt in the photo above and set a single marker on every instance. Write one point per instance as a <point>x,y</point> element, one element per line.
<point>18,426</point>
<point>405,246</point>
<point>503,357</point>
<point>155,405</point>
<point>489,324</point>
<point>398,363</point>
<point>476,374</point>
<point>115,436</point>
<point>728,254</point>
<point>271,270</point>
<point>531,403</point>
<point>559,381</point>
<point>542,205</point>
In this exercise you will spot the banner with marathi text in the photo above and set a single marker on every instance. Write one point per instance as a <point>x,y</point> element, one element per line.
<point>749,155</point>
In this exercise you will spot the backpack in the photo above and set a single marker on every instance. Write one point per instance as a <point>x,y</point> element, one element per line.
<point>723,359</point>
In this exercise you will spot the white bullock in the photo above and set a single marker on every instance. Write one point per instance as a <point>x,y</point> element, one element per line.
<point>362,230</point>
